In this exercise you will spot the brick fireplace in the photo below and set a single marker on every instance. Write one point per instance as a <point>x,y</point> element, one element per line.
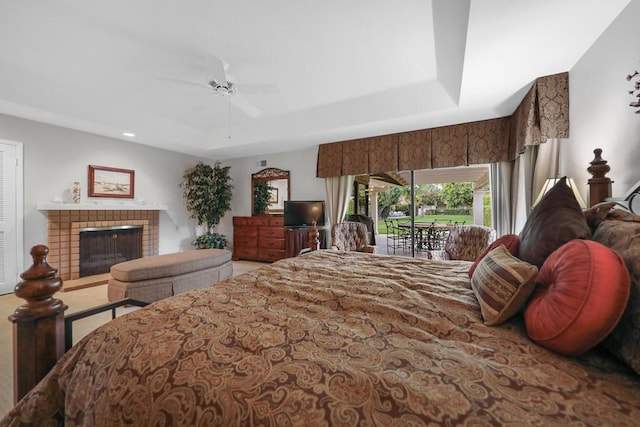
<point>63,235</point>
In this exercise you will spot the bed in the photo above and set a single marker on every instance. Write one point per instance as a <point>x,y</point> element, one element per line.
<point>335,338</point>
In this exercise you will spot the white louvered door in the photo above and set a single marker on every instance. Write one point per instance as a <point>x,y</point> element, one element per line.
<point>8,218</point>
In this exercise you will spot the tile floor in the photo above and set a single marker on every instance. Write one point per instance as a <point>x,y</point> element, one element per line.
<point>76,300</point>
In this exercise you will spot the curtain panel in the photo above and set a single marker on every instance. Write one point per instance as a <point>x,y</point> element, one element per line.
<point>543,114</point>
<point>338,190</point>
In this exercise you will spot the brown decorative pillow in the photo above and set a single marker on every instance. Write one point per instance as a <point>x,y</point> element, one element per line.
<point>554,221</point>
<point>597,213</point>
<point>621,232</point>
<point>502,283</point>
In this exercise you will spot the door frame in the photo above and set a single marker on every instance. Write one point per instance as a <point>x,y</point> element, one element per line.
<point>19,195</point>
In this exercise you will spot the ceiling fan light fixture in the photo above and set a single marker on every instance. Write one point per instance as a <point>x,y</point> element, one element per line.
<point>227,89</point>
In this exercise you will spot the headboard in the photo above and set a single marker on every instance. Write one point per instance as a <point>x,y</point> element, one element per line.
<point>631,200</point>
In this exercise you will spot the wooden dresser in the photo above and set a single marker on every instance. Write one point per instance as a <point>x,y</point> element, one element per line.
<point>259,238</point>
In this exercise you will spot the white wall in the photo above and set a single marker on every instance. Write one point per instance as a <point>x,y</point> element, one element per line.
<point>304,184</point>
<point>55,157</point>
<point>600,116</point>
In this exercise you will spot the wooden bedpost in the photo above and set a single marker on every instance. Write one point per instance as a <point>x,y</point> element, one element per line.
<point>599,184</point>
<point>38,325</point>
<point>314,243</point>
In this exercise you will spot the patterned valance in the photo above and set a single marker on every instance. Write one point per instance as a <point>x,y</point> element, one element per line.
<point>414,150</point>
<point>542,114</point>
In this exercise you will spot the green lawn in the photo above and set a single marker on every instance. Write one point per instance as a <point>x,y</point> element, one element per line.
<point>441,219</point>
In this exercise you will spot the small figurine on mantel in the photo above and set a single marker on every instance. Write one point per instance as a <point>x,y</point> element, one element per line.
<point>75,192</point>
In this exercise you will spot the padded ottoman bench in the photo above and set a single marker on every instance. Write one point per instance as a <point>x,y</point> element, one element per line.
<point>155,277</point>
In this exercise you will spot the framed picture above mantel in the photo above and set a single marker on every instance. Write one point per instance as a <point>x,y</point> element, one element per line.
<point>111,182</point>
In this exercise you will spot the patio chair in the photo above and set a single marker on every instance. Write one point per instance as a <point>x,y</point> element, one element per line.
<point>465,243</point>
<point>396,238</point>
<point>351,236</point>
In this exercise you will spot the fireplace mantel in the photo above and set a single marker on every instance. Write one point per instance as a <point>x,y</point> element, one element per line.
<point>100,207</point>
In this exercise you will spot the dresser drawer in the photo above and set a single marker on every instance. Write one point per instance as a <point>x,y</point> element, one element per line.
<point>277,221</point>
<point>259,220</point>
<point>244,252</point>
<point>241,241</point>
<point>272,243</point>
<point>245,232</point>
<point>272,232</point>
<point>240,220</point>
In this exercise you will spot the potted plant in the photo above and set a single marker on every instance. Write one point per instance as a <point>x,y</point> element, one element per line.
<point>261,196</point>
<point>207,192</point>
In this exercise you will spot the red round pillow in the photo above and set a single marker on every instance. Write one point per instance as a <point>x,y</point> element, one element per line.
<point>581,292</point>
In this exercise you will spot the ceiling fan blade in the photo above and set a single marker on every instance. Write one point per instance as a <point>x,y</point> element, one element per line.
<point>217,70</point>
<point>260,88</point>
<point>246,106</point>
<point>186,82</point>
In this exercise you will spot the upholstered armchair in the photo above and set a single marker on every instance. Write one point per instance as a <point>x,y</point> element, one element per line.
<point>368,221</point>
<point>465,243</point>
<point>351,236</point>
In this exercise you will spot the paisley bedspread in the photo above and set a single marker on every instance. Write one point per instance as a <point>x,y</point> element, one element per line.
<point>327,339</point>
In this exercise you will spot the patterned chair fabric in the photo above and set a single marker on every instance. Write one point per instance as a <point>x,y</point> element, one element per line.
<point>465,243</point>
<point>351,236</point>
<point>368,221</point>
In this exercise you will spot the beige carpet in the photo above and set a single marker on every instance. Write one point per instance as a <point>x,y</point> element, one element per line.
<point>76,300</point>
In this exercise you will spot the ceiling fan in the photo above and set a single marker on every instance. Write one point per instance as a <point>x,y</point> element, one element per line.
<point>221,84</point>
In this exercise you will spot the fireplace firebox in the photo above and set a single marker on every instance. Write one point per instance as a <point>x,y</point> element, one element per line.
<point>102,247</point>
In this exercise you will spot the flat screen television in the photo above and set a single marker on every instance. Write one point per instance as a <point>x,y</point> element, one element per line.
<point>300,213</point>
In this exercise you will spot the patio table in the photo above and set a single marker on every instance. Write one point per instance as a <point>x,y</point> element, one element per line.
<point>429,236</point>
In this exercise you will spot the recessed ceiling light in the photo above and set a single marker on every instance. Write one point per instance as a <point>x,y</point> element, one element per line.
<point>129,134</point>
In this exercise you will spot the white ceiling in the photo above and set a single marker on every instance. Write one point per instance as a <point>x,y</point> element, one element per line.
<point>335,69</point>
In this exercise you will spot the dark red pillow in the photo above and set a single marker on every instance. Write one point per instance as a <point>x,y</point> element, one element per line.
<point>510,241</point>
<point>581,292</point>
<point>554,221</point>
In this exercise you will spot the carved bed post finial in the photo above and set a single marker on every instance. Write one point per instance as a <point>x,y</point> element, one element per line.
<point>599,184</point>
<point>38,325</point>
<point>314,242</point>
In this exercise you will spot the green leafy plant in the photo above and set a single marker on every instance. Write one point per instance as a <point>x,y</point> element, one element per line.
<point>457,194</point>
<point>261,196</point>
<point>207,193</point>
<point>211,240</point>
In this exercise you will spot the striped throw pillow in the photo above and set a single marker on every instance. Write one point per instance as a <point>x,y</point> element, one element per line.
<point>502,283</point>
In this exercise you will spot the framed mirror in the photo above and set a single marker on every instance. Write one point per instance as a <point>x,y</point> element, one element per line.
<point>270,188</point>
